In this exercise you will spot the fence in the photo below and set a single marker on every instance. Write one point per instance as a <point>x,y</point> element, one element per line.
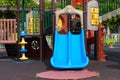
<point>8,31</point>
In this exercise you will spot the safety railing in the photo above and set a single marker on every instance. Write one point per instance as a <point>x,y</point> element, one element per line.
<point>8,31</point>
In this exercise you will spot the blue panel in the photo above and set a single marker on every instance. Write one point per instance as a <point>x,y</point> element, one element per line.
<point>77,51</point>
<point>60,50</point>
<point>69,51</point>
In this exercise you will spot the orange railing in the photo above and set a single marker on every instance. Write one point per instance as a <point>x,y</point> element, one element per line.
<point>7,31</point>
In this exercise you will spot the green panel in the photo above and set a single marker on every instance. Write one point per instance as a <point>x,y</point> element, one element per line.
<point>23,20</point>
<point>23,16</point>
<point>61,4</point>
<point>47,19</point>
<point>108,6</point>
<point>36,21</point>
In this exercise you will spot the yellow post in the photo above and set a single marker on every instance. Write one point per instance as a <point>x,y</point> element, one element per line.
<point>23,57</point>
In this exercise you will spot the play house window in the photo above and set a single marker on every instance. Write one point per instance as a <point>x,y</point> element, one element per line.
<point>75,27</point>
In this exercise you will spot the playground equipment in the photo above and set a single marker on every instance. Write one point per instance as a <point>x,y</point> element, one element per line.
<point>36,35</point>
<point>22,43</point>
<point>33,32</point>
<point>69,49</point>
<point>92,29</point>
<point>100,42</point>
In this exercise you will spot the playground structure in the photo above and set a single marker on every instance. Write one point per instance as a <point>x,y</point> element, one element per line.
<point>10,29</point>
<point>69,45</point>
<point>73,55</point>
<point>37,38</point>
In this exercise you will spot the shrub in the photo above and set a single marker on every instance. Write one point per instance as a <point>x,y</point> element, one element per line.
<point>109,41</point>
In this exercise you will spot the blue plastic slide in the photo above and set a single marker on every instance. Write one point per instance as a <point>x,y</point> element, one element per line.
<point>69,51</point>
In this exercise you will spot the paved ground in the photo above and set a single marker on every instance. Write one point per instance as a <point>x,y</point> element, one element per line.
<point>10,69</point>
<point>110,69</point>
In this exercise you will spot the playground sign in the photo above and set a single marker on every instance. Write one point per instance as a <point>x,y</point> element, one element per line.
<point>92,15</point>
<point>34,25</point>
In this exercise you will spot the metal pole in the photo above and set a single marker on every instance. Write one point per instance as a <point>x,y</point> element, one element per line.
<point>53,20</point>
<point>41,4</point>
<point>96,42</point>
<point>85,16</point>
<point>69,16</point>
<point>18,24</point>
<point>22,15</point>
<point>85,19</point>
<point>68,2</point>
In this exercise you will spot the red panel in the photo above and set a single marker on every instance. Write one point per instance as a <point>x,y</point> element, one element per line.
<point>78,2</point>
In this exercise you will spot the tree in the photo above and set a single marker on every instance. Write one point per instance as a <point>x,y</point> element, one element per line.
<point>113,23</point>
<point>12,3</point>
